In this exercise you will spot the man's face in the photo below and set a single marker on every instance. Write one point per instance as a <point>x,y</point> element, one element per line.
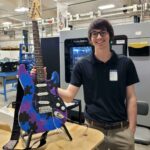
<point>100,38</point>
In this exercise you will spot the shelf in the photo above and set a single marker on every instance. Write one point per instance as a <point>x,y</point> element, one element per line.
<point>9,49</point>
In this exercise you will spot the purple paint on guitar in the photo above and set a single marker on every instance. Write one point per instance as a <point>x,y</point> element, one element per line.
<point>29,117</point>
<point>53,91</point>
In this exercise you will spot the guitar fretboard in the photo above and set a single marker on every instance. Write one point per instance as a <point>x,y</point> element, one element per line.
<point>37,52</point>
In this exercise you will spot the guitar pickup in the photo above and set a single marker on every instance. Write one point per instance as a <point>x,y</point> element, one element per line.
<point>41,85</point>
<point>44,102</point>
<point>45,109</point>
<point>42,94</point>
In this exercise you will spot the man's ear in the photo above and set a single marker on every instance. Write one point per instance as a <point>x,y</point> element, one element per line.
<point>110,43</point>
<point>90,42</point>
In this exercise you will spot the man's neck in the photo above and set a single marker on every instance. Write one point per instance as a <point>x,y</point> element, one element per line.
<point>103,55</point>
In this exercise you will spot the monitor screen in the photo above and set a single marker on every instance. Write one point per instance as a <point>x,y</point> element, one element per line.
<point>119,44</point>
<point>76,53</point>
<point>75,49</point>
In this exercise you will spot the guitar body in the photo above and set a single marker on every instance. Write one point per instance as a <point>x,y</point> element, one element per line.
<point>41,109</point>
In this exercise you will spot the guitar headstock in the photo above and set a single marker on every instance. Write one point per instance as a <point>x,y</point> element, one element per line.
<point>35,10</point>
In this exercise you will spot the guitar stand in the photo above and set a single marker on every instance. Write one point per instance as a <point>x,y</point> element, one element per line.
<point>67,132</point>
<point>43,138</point>
<point>27,142</point>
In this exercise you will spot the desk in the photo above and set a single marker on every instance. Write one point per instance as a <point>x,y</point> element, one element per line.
<point>5,80</point>
<point>83,139</point>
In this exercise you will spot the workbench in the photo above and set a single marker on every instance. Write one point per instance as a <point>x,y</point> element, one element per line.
<point>83,138</point>
<point>8,78</point>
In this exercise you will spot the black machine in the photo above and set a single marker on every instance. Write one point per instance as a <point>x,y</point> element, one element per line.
<point>77,48</point>
<point>119,44</point>
<point>8,65</point>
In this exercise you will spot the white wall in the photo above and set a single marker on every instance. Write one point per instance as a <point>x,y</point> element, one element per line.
<point>9,54</point>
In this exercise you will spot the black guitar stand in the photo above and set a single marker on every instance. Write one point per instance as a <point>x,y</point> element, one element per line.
<point>67,132</point>
<point>27,143</point>
<point>16,128</point>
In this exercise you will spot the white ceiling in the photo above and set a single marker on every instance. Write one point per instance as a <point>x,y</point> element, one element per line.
<point>49,8</point>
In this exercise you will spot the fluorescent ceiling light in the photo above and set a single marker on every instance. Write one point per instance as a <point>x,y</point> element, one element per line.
<point>102,7</point>
<point>6,23</point>
<point>22,9</point>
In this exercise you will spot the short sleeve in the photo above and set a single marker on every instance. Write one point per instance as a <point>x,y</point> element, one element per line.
<point>76,75</point>
<point>132,76</point>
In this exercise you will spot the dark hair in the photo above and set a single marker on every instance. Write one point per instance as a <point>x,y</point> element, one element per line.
<point>101,24</point>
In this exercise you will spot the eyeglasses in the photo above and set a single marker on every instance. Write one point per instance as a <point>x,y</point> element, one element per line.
<point>95,34</point>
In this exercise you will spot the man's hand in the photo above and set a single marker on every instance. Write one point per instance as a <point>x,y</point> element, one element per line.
<point>33,73</point>
<point>52,83</point>
<point>132,129</point>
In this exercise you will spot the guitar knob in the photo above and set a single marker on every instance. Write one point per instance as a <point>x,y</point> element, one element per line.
<point>58,115</point>
<point>58,104</point>
<point>63,108</point>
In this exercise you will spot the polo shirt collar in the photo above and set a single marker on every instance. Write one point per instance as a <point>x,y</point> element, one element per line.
<point>112,60</point>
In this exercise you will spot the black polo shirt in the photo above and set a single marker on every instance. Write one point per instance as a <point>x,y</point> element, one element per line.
<point>104,86</point>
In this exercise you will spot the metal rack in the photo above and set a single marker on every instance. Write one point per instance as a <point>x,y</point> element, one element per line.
<point>26,56</point>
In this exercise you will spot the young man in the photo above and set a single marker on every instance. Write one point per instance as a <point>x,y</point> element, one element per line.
<point>108,82</point>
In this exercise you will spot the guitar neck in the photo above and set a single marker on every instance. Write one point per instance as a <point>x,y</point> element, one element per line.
<point>37,52</point>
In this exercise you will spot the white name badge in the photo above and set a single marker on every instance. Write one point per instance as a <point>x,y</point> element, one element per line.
<point>113,75</point>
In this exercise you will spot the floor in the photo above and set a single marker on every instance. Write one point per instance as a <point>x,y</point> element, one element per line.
<point>12,97</point>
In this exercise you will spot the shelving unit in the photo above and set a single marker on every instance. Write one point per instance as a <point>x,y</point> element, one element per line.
<point>26,56</point>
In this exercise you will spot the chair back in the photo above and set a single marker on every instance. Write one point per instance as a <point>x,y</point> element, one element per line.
<point>142,108</point>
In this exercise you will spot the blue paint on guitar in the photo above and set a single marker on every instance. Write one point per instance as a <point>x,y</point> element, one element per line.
<point>55,77</point>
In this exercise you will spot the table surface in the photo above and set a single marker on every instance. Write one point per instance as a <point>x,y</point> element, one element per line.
<point>8,74</point>
<point>83,138</point>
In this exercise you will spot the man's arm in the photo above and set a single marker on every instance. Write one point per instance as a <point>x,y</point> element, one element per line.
<point>132,107</point>
<point>68,94</point>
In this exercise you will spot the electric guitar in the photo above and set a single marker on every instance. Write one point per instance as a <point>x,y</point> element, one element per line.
<point>41,108</point>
